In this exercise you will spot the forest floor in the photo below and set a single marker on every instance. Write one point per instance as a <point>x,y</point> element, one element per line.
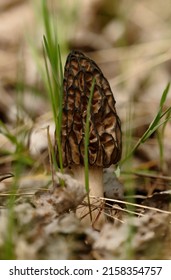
<point>130,41</point>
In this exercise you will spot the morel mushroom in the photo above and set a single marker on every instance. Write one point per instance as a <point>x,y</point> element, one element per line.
<point>105,143</point>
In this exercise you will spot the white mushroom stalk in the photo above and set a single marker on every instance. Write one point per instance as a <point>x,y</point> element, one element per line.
<point>105,143</point>
<point>95,189</point>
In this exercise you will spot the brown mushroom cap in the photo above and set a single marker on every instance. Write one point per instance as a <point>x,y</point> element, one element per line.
<point>105,143</point>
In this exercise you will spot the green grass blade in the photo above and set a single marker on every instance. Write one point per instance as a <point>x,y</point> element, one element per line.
<point>86,138</point>
<point>53,67</point>
<point>47,24</point>
<point>164,95</point>
<point>86,144</point>
<point>155,124</point>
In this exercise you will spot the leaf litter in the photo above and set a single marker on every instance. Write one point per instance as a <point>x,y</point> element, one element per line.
<point>45,225</point>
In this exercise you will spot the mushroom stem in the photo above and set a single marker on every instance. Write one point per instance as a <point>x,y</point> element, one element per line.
<point>95,189</point>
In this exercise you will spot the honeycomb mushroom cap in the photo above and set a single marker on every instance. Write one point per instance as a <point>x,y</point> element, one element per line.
<point>105,143</point>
